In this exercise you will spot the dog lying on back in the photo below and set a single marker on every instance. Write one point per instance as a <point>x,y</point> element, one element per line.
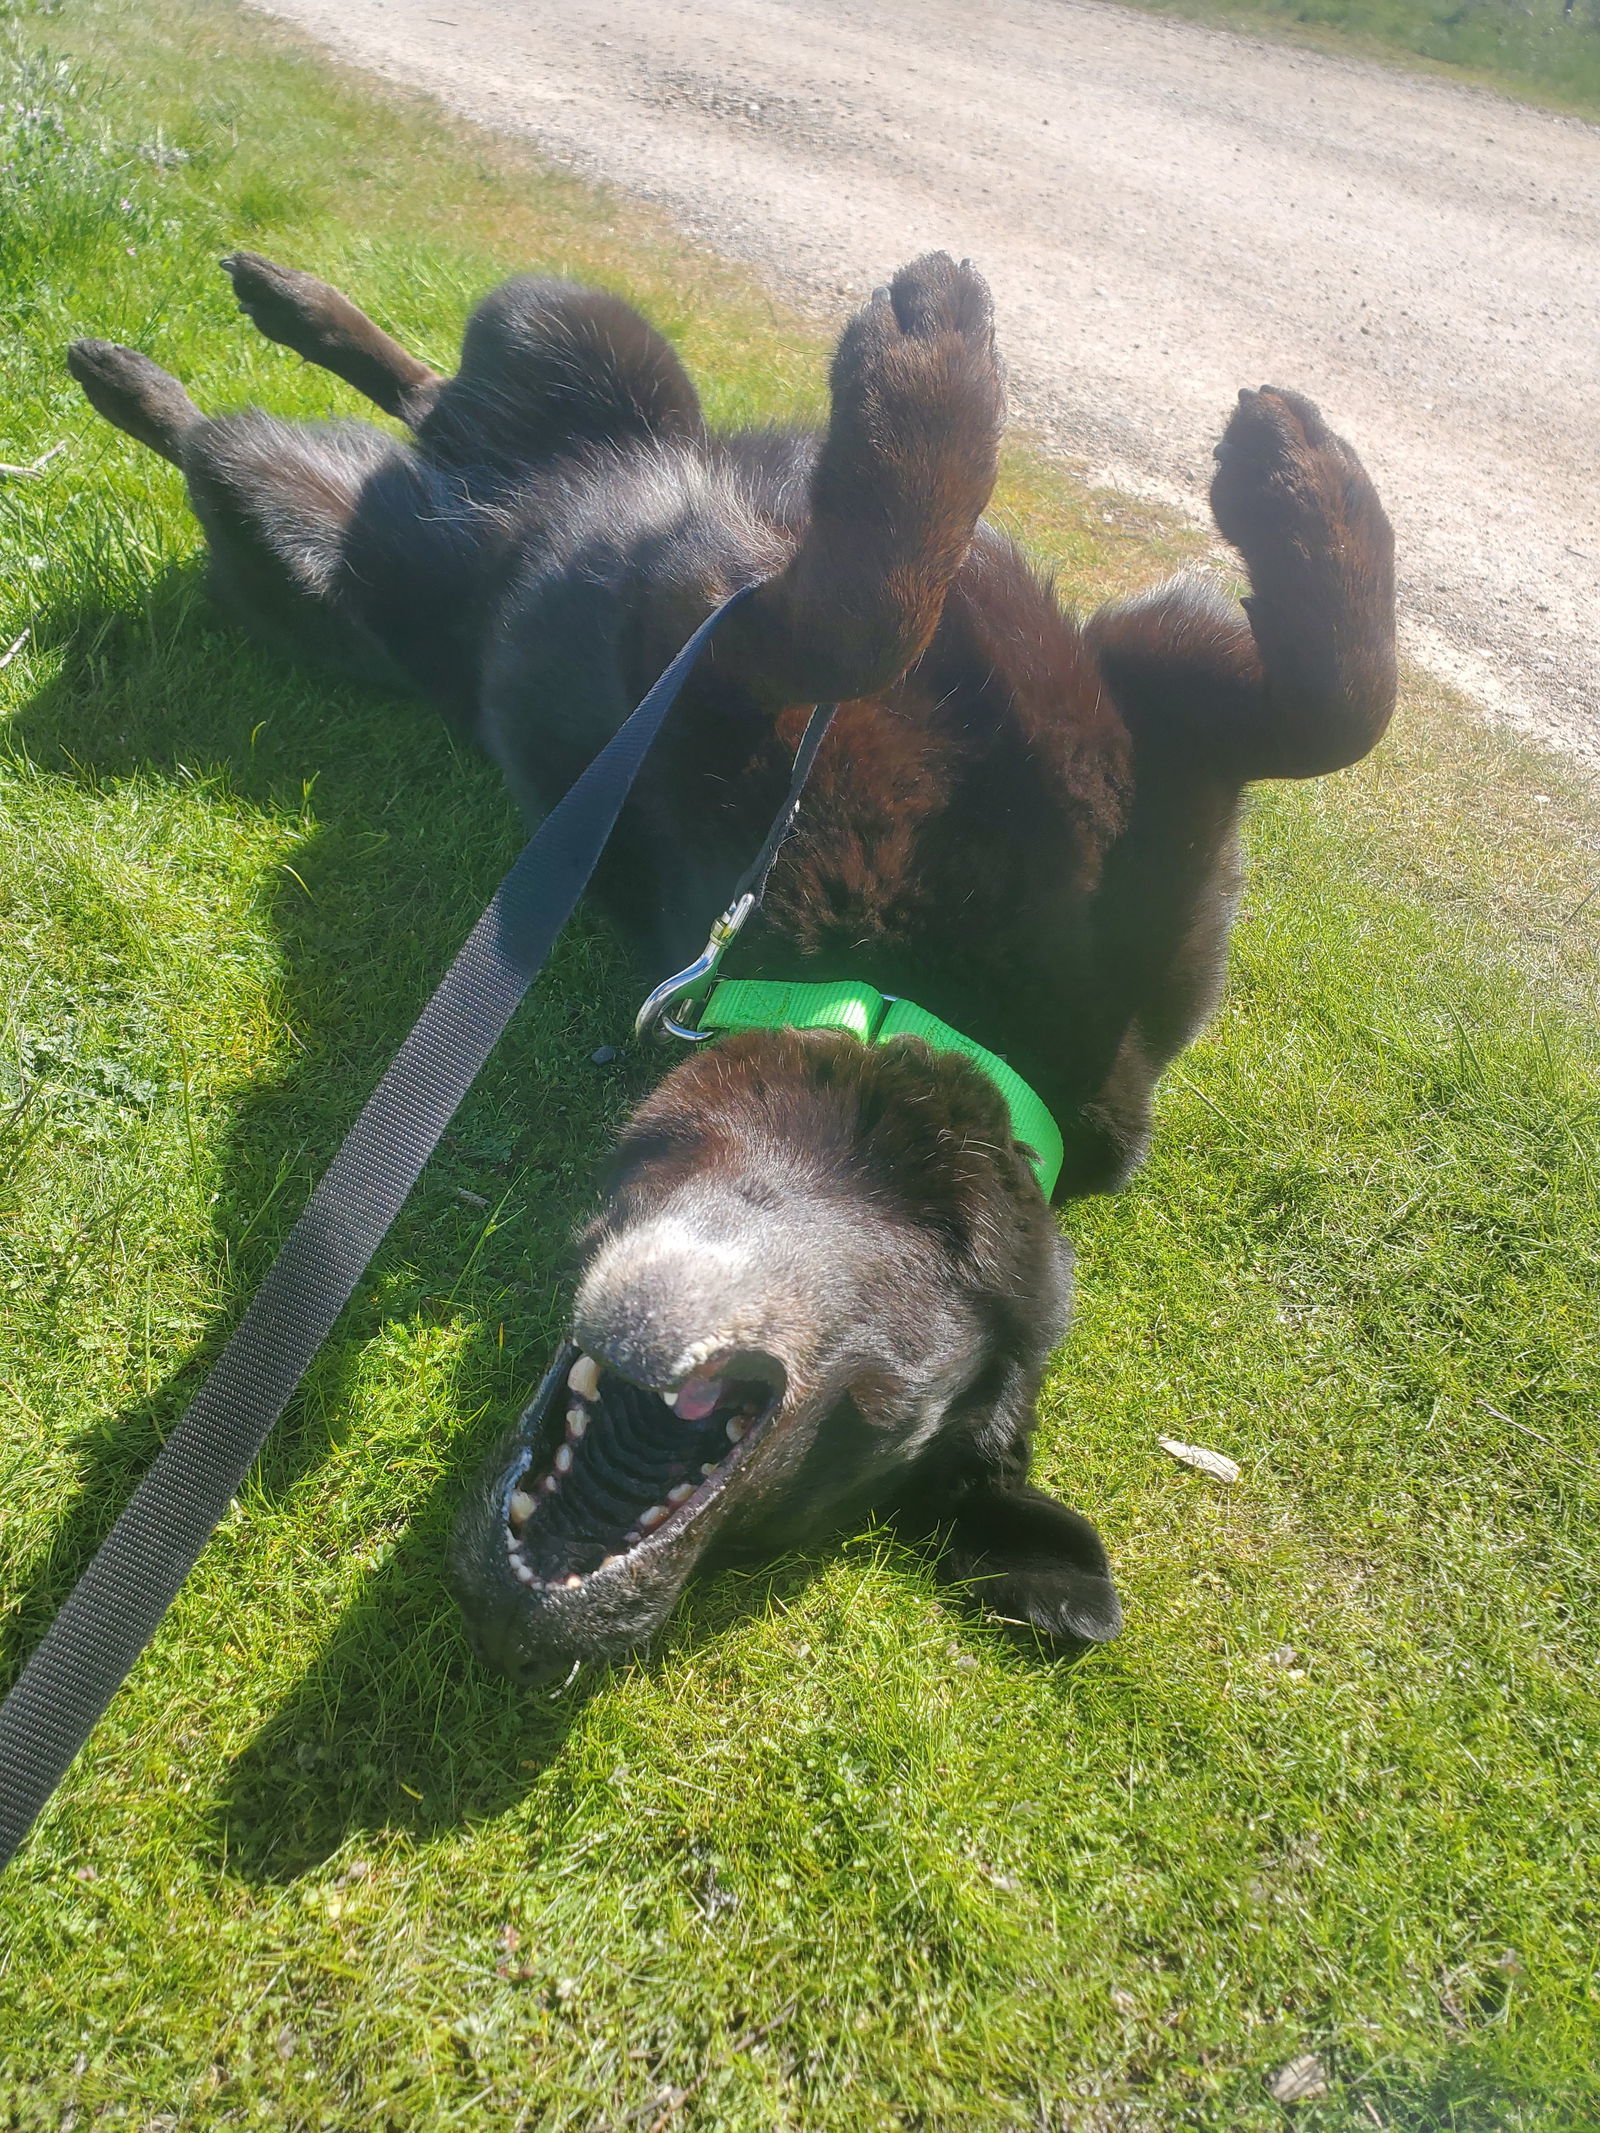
<point>824,1281</point>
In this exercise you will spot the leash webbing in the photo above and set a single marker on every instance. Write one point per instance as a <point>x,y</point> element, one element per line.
<point>753,881</point>
<point>117,1605</point>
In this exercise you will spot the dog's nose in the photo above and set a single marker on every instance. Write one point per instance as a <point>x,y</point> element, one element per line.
<point>664,1296</point>
<point>656,1306</point>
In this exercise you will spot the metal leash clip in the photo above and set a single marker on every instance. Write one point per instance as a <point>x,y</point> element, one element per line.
<point>690,988</point>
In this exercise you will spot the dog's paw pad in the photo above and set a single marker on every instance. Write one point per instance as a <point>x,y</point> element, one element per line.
<point>916,371</point>
<point>284,304</point>
<point>934,295</point>
<point>1282,474</point>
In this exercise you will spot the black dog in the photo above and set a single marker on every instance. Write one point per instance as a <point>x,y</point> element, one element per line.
<point>824,1280</point>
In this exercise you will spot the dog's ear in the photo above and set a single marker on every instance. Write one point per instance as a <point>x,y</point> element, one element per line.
<point>1030,1559</point>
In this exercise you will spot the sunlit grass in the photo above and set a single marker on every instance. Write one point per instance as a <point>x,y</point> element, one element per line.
<point>838,1857</point>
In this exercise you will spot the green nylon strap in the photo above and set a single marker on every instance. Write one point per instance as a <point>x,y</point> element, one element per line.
<point>841,1003</point>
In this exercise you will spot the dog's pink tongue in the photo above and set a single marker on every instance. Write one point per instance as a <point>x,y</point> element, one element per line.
<point>697,1397</point>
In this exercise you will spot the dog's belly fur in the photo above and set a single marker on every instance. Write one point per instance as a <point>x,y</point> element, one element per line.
<point>563,665</point>
<point>954,834</point>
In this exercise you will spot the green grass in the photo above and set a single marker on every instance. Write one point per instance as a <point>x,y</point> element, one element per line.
<point>1537,49</point>
<point>839,1856</point>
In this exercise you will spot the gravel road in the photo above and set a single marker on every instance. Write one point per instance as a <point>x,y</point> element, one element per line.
<point>1166,213</point>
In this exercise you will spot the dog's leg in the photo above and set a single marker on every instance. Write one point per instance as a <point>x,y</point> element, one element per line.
<point>1303,680</point>
<point>313,319</point>
<point>280,503</point>
<point>338,544</point>
<point>903,475</point>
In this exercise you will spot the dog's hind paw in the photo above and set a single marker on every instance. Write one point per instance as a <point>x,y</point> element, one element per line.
<point>138,396</point>
<point>287,306</point>
<point>317,322</point>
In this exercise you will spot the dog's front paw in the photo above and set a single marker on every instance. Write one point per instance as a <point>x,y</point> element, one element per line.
<point>917,387</point>
<point>1286,488</point>
<point>933,296</point>
<point>1029,1559</point>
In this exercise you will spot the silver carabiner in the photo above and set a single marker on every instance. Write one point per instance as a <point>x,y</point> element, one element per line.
<point>690,987</point>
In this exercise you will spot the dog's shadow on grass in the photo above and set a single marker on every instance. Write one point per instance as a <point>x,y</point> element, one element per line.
<point>411,833</point>
<point>394,1729</point>
<point>394,1725</point>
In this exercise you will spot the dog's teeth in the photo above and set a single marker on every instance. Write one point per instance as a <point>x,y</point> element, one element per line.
<point>736,1429</point>
<point>709,1468</point>
<point>521,1507</point>
<point>525,1573</point>
<point>606,1561</point>
<point>670,1399</point>
<point>681,1493</point>
<point>632,1540</point>
<point>573,1579</point>
<point>653,1517</point>
<point>563,1460</point>
<point>550,1484</point>
<point>577,1422</point>
<point>584,1378</point>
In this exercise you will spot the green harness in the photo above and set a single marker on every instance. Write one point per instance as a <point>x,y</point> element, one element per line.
<point>842,1003</point>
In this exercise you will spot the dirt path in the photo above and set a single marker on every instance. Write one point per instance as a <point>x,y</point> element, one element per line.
<point>1166,213</point>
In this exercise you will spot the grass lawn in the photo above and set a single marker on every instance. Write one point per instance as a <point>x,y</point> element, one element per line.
<point>1545,50</point>
<point>838,1856</point>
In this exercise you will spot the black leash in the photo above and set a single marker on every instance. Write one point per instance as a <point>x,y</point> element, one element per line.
<point>753,881</point>
<point>117,1605</point>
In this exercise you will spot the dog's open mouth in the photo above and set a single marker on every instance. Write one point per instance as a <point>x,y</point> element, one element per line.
<point>617,1466</point>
